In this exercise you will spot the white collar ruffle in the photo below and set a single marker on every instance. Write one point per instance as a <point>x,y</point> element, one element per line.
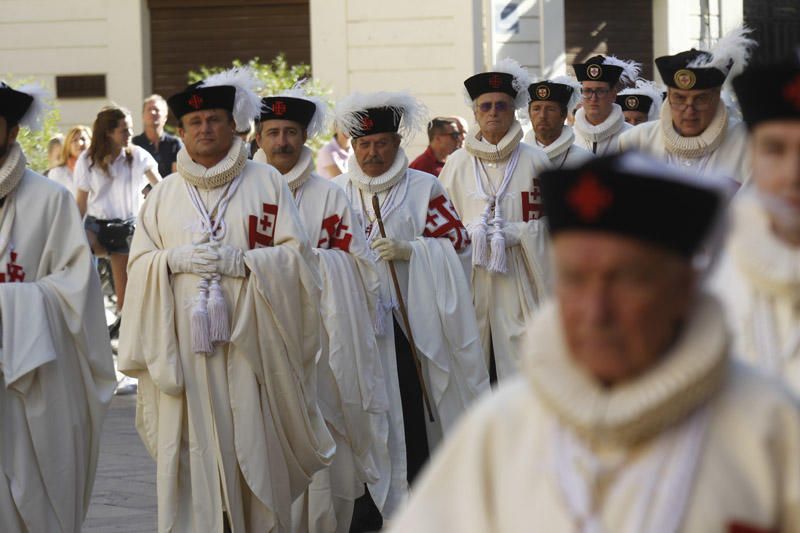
<point>12,170</point>
<point>600,132</point>
<point>555,148</point>
<point>686,377</point>
<point>220,174</point>
<point>300,173</point>
<point>381,183</point>
<point>478,147</point>
<point>694,147</point>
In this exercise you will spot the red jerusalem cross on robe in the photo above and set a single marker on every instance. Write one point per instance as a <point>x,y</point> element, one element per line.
<point>335,234</point>
<point>532,203</point>
<point>261,229</point>
<point>14,272</point>
<point>442,221</point>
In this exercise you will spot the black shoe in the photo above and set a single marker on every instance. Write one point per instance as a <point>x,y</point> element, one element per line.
<point>113,329</point>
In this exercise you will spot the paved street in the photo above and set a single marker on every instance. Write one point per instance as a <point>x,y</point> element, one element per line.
<point>124,498</point>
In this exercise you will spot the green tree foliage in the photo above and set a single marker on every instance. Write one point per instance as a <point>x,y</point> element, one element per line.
<point>275,77</point>
<point>34,143</point>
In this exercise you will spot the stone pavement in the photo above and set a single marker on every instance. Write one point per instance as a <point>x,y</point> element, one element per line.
<point>124,498</point>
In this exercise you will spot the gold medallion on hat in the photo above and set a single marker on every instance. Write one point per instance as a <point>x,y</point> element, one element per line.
<point>685,79</point>
<point>594,72</point>
<point>632,102</point>
<point>543,92</point>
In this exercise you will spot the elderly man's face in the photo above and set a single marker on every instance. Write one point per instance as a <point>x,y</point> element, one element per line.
<point>621,301</point>
<point>494,113</point>
<point>282,142</point>
<point>692,110</point>
<point>776,171</point>
<point>375,153</point>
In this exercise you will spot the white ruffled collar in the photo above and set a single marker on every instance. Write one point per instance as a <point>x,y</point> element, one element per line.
<point>381,183</point>
<point>478,147</point>
<point>690,373</point>
<point>300,173</point>
<point>555,148</point>
<point>769,263</point>
<point>694,147</point>
<point>220,174</point>
<point>12,170</point>
<point>600,132</point>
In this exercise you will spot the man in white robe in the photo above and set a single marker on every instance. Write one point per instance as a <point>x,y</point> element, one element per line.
<point>759,275</point>
<point>425,242</point>
<point>695,130</point>
<point>629,414</point>
<point>550,103</point>
<point>220,327</point>
<point>350,377</point>
<point>55,354</point>
<point>493,182</point>
<point>599,122</point>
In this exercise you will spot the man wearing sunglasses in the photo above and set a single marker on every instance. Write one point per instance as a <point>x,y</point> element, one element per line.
<point>600,122</point>
<point>443,138</point>
<point>494,186</point>
<point>694,129</point>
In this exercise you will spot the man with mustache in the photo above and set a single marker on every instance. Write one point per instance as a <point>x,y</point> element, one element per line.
<point>220,327</point>
<point>349,371</point>
<point>548,109</point>
<point>695,129</point>
<point>759,277</point>
<point>425,242</point>
<point>599,122</point>
<point>494,184</point>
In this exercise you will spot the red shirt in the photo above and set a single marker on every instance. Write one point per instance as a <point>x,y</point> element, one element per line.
<point>427,162</point>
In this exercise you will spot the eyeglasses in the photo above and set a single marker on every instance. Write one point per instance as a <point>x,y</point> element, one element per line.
<point>453,134</point>
<point>499,106</point>
<point>702,102</point>
<point>600,93</point>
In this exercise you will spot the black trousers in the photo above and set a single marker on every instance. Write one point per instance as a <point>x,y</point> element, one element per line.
<point>366,516</point>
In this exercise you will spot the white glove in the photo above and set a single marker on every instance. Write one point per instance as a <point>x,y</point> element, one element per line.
<point>392,249</point>
<point>231,260</point>
<point>511,234</point>
<point>192,258</point>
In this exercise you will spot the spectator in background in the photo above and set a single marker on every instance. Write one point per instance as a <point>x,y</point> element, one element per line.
<point>76,141</point>
<point>462,126</point>
<point>54,151</point>
<point>443,137</point>
<point>332,158</point>
<point>163,146</point>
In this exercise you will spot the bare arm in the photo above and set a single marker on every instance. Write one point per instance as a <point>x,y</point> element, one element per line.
<point>331,171</point>
<point>82,198</point>
<point>152,176</point>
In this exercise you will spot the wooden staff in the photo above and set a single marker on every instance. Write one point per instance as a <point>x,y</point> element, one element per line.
<point>376,206</point>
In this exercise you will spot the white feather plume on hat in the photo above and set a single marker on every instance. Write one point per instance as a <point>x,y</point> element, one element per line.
<point>246,104</point>
<point>650,89</point>
<point>520,82</point>
<point>352,108</point>
<point>731,53</point>
<point>576,90</point>
<point>322,116</point>
<point>33,118</point>
<point>630,69</point>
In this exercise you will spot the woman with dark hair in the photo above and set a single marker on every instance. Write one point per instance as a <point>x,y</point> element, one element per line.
<point>112,177</point>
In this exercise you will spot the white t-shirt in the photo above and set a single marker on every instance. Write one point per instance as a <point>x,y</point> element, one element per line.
<point>332,154</point>
<point>120,194</point>
<point>63,176</point>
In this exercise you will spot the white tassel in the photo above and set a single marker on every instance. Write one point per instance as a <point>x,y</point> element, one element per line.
<point>497,261</point>
<point>480,251</point>
<point>201,342</point>
<point>383,312</point>
<point>219,325</point>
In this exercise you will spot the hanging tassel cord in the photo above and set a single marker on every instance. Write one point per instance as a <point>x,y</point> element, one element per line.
<point>376,206</point>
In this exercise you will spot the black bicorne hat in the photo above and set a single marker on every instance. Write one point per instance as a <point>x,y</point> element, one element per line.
<point>594,69</point>
<point>676,73</point>
<point>634,102</point>
<point>548,91</point>
<point>770,92</point>
<point>197,97</point>
<point>298,110</point>
<point>490,82</point>
<point>632,195</point>
<point>13,104</point>
<point>378,120</point>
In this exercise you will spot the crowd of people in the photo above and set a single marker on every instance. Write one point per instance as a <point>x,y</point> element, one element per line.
<point>580,314</point>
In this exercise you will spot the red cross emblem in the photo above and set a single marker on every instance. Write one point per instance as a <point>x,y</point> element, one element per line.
<point>589,198</point>
<point>338,236</point>
<point>195,101</point>
<point>269,215</point>
<point>495,81</point>
<point>278,108</point>
<point>366,123</point>
<point>443,222</point>
<point>791,92</point>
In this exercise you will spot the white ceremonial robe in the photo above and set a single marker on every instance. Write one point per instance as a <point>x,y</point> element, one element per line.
<point>504,469</point>
<point>601,139</point>
<point>729,159</point>
<point>563,152</point>
<point>351,388</point>
<point>238,429</point>
<point>504,302</point>
<point>436,293</point>
<point>758,279</point>
<point>55,357</point>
